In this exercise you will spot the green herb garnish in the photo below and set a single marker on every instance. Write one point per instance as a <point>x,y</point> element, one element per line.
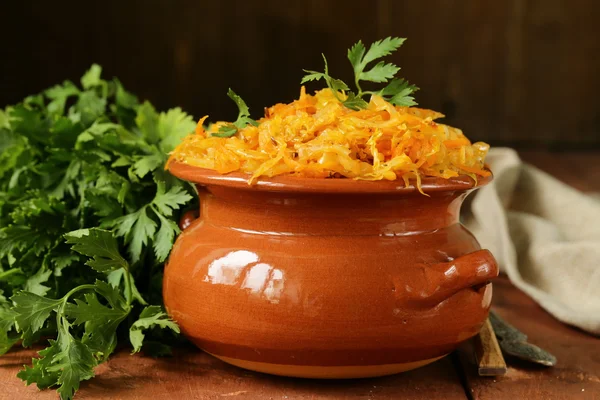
<point>242,120</point>
<point>398,91</point>
<point>87,218</point>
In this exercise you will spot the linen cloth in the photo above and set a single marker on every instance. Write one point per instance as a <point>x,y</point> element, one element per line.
<point>545,236</point>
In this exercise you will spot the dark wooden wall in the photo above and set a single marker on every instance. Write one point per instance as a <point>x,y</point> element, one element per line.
<point>518,72</point>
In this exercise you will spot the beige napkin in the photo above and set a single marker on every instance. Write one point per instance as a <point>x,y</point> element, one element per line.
<point>545,236</point>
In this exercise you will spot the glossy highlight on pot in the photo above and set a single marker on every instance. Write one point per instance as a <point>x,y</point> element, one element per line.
<point>260,278</point>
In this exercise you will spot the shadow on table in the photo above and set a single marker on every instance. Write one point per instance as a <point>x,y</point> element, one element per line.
<point>192,374</point>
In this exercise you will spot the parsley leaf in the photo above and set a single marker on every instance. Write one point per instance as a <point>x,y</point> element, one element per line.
<point>70,359</point>
<point>59,95</point>
<point>73,364</point>
<point>381,72</point>
<point>6,341</point>
<point>335,85</point>
<point>147,122</point>
<point>173,126</point>
<point>164,237</point>
<point>34,283</point>
<point>138,229</point>
<point>354,102</point>
<point>167,202</point>
<point>148,163</point>
<point>31,312</point>
<point>226,131</point>
<point>38,373</point>
<point>90,106</point>
<point>100,321</point>
<point>242,120</point>
<point>92,77</point>
<point>152,316</point>
<point>118,277</point>
<point>397,92</point>
<point>7,338</point>
<point>378,49</point>
<point>100,245</point>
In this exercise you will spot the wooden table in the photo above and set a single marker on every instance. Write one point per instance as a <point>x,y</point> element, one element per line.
<point>580,169</point>
<point>191,374</point>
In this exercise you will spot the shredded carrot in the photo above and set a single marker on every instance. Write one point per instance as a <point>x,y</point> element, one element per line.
<point>199,127</point>
<point>456,143</point>
<point>317,136</point>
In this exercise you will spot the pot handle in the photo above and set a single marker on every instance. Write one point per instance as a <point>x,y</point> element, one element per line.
<point>187,218</point>
<point>435,283</point>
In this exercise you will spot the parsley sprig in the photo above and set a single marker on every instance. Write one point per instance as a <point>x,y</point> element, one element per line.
<point>87,218</point>
<point>73,356</point>
<point>242,120</point>
<point>398,91</point>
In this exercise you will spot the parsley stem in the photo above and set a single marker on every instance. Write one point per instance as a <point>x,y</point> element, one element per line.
<point>129,293</point>
<point>70,293</point>
<point>60,311</point>
<point>336,95</point>
<point>360,92</point>
<point>6,274</point>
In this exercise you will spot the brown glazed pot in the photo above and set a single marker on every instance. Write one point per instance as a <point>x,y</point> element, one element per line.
<point>327,278</point>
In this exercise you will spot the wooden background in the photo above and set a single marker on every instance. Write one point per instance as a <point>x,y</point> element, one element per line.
<point>518,72</point>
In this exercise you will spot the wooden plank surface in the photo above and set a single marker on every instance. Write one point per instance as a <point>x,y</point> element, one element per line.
<point>579,169</point>
<point>191,374</point>
<point>577,373</point>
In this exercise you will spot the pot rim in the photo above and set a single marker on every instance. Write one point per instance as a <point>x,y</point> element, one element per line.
<point>294,184</point>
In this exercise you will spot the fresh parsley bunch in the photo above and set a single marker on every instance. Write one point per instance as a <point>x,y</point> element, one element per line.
<point>398,91</point>
<point>87,219</point>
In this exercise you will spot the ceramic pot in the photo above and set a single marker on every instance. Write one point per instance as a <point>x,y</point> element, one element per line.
<point>327,278</point>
